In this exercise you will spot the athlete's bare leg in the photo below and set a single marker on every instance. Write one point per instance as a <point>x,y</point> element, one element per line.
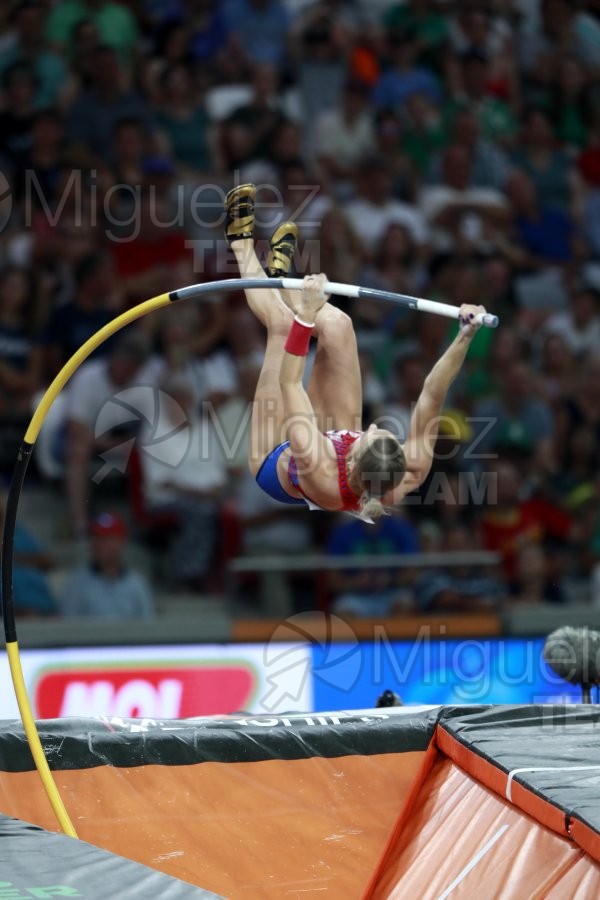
<point>267,303</point>
<point>335,385</point>
<point>267,424</point>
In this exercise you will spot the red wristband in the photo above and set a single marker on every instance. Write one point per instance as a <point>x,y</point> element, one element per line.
<point>298,339</point>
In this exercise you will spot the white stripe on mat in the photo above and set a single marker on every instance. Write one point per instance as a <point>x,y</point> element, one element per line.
<point>514,772</point>
<point>471,865</point>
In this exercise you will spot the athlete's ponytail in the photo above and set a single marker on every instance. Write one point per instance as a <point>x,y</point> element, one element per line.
<point>371,508</point>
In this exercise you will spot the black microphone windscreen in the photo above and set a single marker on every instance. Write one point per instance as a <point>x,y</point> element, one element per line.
<point>574,654</point>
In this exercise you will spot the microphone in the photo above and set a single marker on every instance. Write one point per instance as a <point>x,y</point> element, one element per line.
<point>574,654</point>
<point>388,698</point>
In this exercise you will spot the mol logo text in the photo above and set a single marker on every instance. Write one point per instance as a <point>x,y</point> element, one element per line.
<point>157,692</point>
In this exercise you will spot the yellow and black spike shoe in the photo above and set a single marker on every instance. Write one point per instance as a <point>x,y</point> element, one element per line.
<point>239,212</point>
<point>283,246</point>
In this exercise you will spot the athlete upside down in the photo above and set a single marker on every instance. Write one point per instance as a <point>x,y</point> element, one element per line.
<point>308,446</point>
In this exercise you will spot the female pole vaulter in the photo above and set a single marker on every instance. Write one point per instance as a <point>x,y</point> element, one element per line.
<point>308,446</point>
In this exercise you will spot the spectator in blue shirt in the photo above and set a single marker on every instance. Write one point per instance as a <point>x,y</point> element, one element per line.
<point>371,592</point>
<point>464,587</point>
<point>404,78</point>
<point>260,28</point>
<point>96,112</point>
<point>545,233</point>
<point>73,323</point>
<point>105,587</point>
<point>32,593</point>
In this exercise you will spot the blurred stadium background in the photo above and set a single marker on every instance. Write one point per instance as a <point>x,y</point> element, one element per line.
<point>449,150</point>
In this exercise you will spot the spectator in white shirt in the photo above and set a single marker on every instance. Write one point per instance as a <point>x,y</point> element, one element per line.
<point>102,416</point>
<point>579,326</point>
<point>375,209</point>
<point>456,211</point>
<point>184,474</point>
<point>344,135</point>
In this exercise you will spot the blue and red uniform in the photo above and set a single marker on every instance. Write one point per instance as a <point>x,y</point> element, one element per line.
<point>268,479</point>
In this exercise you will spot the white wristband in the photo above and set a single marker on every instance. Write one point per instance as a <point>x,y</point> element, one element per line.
<point>306,324</point>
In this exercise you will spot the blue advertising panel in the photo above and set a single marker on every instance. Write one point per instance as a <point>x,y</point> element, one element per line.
<point>425,671</point>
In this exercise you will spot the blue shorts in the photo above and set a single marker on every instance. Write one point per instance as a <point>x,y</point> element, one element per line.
<point>268,480</point>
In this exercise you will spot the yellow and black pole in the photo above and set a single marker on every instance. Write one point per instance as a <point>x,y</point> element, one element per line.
<point>12,504</point>
<point>31,435</point>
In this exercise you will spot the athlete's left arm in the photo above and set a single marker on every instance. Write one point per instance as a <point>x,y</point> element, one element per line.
<point>307,443</point>
<point>424,423</point>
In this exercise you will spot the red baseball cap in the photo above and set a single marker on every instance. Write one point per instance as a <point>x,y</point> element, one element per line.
<point>108,525</point>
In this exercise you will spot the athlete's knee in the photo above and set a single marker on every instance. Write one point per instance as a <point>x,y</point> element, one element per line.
<point>335,327</point>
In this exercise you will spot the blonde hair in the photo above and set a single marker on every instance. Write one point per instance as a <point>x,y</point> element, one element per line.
<point>371,508</point>
<point>381,466</point>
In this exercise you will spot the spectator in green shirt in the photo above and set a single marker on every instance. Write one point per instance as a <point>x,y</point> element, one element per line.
<point>429,27</point>
<point>115,23</point>
<point>424,133</point>
<point>30,47</point>
<point>185,123</point>
<point>496,118</point>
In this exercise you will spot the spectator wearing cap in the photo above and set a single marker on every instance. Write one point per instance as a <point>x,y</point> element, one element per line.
<point>403,77</point>
<point>92,390</point>
<point>51,72</point>
<point>96,302</point>
<point>105,588</point>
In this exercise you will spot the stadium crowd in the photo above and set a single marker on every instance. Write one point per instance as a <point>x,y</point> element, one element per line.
<point>430,147</point>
